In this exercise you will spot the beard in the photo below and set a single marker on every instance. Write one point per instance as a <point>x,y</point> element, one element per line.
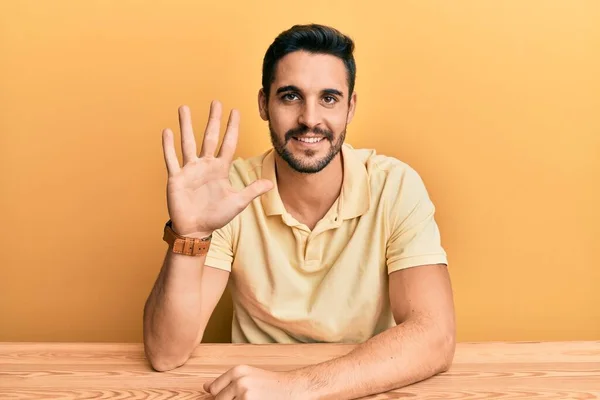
<point>302,165</point>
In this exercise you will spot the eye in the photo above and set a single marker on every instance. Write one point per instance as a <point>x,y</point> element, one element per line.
<point>289,96</point>
<point>329,100</point>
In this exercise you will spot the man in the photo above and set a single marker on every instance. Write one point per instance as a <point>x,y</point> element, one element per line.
<point>319,242</point>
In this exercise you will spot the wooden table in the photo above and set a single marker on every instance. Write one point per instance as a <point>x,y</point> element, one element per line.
<point>551,370</point>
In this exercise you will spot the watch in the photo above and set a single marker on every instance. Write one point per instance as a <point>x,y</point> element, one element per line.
<point>185,245</point>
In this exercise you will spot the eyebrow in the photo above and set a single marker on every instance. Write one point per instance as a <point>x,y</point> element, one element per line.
<point>292,88</point>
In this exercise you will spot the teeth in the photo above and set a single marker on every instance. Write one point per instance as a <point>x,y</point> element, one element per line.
<point>310,140</point>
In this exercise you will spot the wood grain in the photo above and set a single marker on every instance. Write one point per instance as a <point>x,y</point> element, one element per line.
<point>548,370</point>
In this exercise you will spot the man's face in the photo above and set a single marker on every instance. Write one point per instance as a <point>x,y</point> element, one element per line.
<point>308,109</point>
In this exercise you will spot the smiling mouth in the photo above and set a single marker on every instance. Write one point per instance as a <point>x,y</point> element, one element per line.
<point>309,139</point>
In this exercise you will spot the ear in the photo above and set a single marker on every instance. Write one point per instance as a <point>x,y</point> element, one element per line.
<point>262,105</point>
<point>352,106</point>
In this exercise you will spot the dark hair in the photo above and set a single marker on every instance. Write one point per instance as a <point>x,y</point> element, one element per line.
<point>313,38</point>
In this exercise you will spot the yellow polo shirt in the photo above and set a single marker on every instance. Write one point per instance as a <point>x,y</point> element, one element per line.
<point>290,284</point>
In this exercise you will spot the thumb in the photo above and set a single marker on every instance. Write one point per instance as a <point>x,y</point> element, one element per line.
<point>255,189</point>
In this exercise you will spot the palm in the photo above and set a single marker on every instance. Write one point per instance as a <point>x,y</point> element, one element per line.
<point>200,198</point>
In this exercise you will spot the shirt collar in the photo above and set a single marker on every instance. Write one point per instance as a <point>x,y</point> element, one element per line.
<point>354,198</point>
<point>271,201</point>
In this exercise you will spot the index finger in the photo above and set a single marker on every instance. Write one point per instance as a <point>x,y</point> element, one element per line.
<point>231,137</point>
<point>220,383</point>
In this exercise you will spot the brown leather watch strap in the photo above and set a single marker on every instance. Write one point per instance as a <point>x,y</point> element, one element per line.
<point>185,245</point>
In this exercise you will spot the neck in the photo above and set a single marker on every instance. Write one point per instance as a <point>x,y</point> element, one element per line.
<point>308,197</point>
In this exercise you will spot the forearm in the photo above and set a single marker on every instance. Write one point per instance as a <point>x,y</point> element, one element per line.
<point>172,311</point>
<point>410,352</point>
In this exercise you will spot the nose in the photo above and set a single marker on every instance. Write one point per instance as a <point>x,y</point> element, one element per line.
<point>309,115</point>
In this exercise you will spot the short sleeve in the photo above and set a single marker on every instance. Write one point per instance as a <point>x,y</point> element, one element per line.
<point>415,237</point>
<point>220,252</point>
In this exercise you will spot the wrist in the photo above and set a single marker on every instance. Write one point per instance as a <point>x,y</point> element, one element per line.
<point>193,235</point>
<point>197,235</point>
<point>186,243</point>
<point>304,381</point>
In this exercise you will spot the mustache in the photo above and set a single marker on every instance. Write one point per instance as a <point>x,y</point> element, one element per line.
<point>301,130</point>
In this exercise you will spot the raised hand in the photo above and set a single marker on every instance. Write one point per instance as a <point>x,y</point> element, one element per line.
<point>200,198</point>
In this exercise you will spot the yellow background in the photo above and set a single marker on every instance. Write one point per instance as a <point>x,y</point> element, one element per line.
<point>495,103</point>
